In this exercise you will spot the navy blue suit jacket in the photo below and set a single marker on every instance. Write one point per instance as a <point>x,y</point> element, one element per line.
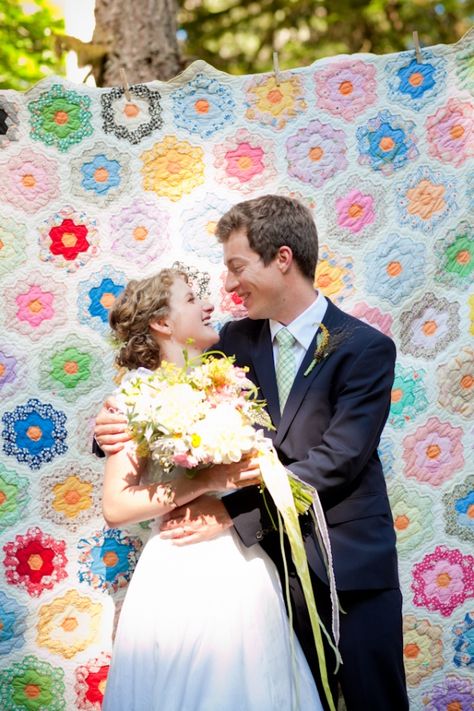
<point>328,436</point>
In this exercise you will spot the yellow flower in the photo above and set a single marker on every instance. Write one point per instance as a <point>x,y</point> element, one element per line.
<point>172,168</point>
<point>72,496</point>
<point>219,371</point>
<point>456,383</point>
<point>422,648</point>
<point>329,278</point>
<point>69,624</point>
<point>322,345</point>
<point>275,104</point>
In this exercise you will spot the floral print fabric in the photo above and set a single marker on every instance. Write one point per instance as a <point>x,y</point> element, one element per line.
<point>100,187</point>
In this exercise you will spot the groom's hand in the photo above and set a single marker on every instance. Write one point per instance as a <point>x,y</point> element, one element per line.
<point>204,518</point>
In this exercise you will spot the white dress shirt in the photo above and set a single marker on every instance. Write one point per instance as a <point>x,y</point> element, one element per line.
<point>302,328</point>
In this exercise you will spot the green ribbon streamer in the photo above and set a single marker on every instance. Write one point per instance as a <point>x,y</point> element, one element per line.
<point>275,478</point>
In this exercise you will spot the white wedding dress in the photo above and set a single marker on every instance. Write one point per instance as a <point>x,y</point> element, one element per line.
<point>204,628</point>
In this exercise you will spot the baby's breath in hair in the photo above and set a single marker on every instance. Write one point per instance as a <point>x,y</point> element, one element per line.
<point>199,281</point>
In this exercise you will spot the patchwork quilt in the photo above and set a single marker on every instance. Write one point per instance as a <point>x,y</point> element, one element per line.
<point>99,186</point>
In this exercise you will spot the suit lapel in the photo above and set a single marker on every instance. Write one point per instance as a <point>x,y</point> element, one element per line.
<point>302,382</point>
<point>265,371</point>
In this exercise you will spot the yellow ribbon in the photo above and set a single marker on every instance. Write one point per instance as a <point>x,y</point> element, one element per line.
<point>276,480</point>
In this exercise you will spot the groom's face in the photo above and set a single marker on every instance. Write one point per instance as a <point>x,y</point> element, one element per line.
<point>258,286</point>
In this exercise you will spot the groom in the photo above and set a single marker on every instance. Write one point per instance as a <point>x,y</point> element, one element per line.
<point>327,379</point>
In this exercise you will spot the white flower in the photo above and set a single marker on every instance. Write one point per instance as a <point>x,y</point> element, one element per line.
<point>224,435</point>
<point>193,415</point>
<point>176,407</point>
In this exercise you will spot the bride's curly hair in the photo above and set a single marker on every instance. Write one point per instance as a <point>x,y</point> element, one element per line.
<point>142,302</point>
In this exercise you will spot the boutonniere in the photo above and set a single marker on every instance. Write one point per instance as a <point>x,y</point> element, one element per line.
<point>322,348</point>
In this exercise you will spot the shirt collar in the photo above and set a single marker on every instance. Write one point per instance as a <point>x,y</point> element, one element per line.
<point>303,326</point>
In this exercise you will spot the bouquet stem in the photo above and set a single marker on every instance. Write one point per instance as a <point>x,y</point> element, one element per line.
<point>303,495</point>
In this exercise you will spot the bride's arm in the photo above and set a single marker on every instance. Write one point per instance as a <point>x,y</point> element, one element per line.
<point>126,500</point>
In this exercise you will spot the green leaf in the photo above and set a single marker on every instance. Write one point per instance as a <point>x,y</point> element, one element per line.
<point>27,43</point>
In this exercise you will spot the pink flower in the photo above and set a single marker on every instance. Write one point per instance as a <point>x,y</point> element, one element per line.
<point>373,317</point>
<point>355,211</point>
<point>443,580</point>
<point>35,305</point>
<point>231,303</point>
<point>434,452</point>
<point>347,88</point>
<point>316,153</point>
<point>245,161</point>
<point>140,232</point>
<point>451,132</point>
<point>183,459</point>
<point>29,180</point>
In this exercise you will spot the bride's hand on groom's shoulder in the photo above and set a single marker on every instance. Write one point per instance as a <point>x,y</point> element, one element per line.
<point>110,431</point>
<point>202,519</point>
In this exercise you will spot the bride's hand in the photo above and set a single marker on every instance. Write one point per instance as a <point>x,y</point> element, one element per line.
<point>110,431</point>
<point>228,477</point>
<point>200,520</point>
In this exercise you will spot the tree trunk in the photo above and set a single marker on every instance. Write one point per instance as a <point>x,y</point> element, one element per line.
<point>141,38</point>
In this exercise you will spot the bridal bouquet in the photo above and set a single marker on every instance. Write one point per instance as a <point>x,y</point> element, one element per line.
<point>207,412</point>
<point>201,414</point>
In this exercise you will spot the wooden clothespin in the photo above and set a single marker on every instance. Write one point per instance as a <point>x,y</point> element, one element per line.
<point>126,89</point>
<point>416,42</point>
<point>276,68</point>
<point>89,74</point>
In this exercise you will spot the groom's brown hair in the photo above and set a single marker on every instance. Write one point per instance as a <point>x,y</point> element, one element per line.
<point>270,222</point>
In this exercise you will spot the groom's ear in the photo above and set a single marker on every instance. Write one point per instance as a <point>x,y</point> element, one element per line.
<point>284,258</point>
<point>161,328</point>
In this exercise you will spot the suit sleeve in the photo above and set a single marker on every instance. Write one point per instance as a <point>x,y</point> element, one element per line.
<point>250,521</point>
<point>97,450</point>
<point>359,417</point>
<point>350,439</point>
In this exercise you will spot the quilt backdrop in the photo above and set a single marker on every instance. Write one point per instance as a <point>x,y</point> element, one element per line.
<point>97,188</point>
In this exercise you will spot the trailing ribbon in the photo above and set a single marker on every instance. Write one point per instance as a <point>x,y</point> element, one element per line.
<point>325,546</point>
<point>276,480</point>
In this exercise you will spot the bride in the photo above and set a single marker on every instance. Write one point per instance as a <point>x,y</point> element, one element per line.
<point>203,626</point>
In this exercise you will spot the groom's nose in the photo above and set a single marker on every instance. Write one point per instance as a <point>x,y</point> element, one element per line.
<point>231,282</point>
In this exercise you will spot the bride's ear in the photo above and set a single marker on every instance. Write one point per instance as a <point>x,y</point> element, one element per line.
<point>161,328</point>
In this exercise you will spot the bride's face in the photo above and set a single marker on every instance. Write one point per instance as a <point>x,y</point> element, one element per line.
<point>190,318</point>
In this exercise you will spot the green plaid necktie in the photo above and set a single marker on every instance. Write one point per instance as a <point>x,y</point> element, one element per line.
<point>286,365</point>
